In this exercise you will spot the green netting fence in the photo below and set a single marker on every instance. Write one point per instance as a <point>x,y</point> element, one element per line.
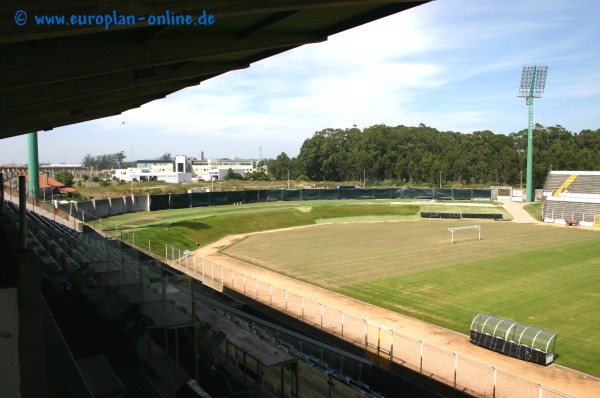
<point>196,199</point>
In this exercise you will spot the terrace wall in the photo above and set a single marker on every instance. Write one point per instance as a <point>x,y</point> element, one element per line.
<point>101,208</point>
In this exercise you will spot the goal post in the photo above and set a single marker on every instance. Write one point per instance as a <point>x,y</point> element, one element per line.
<point>477,227</point>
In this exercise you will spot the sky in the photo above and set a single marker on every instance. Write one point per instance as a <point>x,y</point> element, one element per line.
<point>453,65</point>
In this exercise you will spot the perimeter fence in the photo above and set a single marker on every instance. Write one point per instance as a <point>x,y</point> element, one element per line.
<point>101,208</point>
<point>381,344</point>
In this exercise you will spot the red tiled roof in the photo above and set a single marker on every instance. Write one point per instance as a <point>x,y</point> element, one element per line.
<point>51,182</point>
<point>68,190</point>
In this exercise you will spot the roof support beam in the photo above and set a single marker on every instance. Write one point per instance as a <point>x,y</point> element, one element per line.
<point>10,32</point>
<point>66,60</point>
<point>31,97</point>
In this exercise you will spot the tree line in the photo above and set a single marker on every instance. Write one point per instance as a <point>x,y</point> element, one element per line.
<point>115,160</point>
<point>424,155</point>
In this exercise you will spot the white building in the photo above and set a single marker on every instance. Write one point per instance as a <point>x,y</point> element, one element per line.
<point>173,173</point>
<point>155,165</point>
<point>217,169</point>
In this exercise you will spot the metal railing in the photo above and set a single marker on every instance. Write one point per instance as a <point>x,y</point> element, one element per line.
<point>381,344</point>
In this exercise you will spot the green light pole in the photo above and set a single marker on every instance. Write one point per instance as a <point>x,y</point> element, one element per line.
<point>533,81</point>
<point>33,165</point>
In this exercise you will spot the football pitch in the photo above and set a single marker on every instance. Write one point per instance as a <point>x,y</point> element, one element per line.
<point>543,276</point>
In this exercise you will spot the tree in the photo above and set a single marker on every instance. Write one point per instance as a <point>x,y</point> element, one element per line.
<point>65,178</point>
<point>167,157</point>
<point>107,161</point>
<point>231,175</point>
<point>259,175</point>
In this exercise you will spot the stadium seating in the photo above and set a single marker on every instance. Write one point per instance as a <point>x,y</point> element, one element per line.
<point>571,210</point>
<point>586,184</point>
<point>572,197</point>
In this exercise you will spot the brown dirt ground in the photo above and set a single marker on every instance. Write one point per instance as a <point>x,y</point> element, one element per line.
<point>555,377</point>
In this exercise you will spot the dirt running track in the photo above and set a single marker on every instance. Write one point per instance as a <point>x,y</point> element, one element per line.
<point>554,376</point>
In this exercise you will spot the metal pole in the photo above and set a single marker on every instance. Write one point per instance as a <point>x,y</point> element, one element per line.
<point>421,365</point>
<point>22,215</point>
<point>33,166</point>
<point>1,193</point>
<point>529,182</point>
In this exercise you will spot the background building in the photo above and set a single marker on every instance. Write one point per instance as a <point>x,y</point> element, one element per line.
<point>156,170</point>
<point>217,169</point>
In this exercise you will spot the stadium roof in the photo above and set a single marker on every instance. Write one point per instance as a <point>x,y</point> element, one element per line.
<point>55,75</point>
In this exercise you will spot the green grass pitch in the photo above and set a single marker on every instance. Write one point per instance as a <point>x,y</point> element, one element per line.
<point>533,274</point>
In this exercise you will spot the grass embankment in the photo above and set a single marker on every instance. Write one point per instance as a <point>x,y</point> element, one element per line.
<point>534,210</point>
<point>188,228</point>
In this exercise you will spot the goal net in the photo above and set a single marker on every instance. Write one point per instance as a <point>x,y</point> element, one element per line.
<point>475,227</point>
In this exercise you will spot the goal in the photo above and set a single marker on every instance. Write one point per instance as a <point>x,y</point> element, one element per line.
<point>454,229</point>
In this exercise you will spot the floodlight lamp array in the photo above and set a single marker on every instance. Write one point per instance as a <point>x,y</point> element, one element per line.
<point>535,75</point>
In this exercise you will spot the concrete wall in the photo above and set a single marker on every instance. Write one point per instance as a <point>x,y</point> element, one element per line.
<point>87,208</point>
<point>140,203</point>
<point>128,204</point>
<point>117,206</point>
<point>102,208</point>
<point>66,207</point>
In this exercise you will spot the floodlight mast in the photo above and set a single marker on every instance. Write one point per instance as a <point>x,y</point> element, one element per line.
<point>533,81</point>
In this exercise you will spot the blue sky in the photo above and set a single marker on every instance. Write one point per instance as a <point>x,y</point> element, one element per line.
<point>453,65</point>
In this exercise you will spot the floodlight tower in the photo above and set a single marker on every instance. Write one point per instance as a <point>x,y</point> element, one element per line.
<point>533,81</point>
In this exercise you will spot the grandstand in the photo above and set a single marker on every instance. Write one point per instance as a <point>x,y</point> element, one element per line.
<point>572,198</point>
<point>132,323</point>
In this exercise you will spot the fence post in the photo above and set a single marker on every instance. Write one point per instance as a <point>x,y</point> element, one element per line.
<point>392,346</point>
<point>366,337</point>
<point>321,316</point>
<point>378,343</point>
<point>302,308</point>
<point>455,368</point>
<point>421,365</point>
<point>541,391</point>
<point>494,390</point>
<point>244,283</point>
<point>342,324</point>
